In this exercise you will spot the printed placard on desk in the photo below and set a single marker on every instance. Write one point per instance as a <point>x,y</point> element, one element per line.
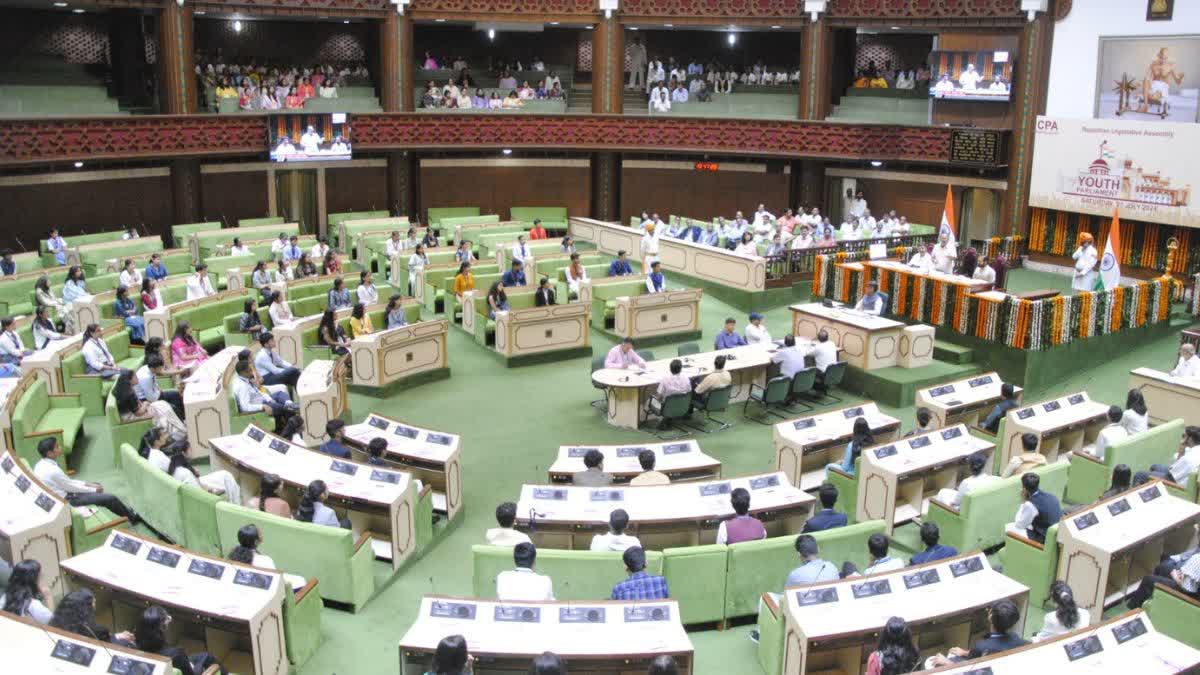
<point>870,589</point>
<point>44,502</point>
<point>626,452</point>
<point>642,613</point>
<point>607,496</point>
<point>279,446</point>
<point>1026,413</point>
<point>1075,399</point>
<point>919,442</point>
<point>256,433</point>
<point>885,452</point>
<point>123,665</point>
<point>72,652</point>
<point>7,464</point>
<point>343,467</point>
<point>206,569</point>
<point>407,432</point>
<point>820,596</point>
<point>952,433</point>
<point>553,494</point>
<point>22,483</point>
<point>806,423</point>
<point>941,391</point>
<point>1083,647</point>
<point>579,453</point>
<point>378,423</point>
<point>1085,521</point>
<point>1129,630</point>
<point>764,482</point>
<point>1150,494</point>
<point>126,544</point>
<point>578,614</point>
<point>517,614</point>
<point>438,439</point>
<point>922,578</point>
<point>163,557</point>
<point>852,412</point>
<point>252,579</point>
<point>385,477</point>
<point>452,610</point>
<point>715,489</point>
<point>979,381</point>
<point>1118,507</point>
<point>965,567</point>
<point>676,448</point>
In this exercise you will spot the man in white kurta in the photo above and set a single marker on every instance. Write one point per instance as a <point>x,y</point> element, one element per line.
<point>944,254</point>
<point>1189,363</point>
<point>1085,265</point>
<point>922,261</point>
<point>969,79</point>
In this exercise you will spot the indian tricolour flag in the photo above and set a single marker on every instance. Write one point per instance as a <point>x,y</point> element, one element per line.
<point>1110,267</point>
<point>948,217</point>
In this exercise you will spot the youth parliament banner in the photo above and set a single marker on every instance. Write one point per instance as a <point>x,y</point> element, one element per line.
<point>1147,170</point>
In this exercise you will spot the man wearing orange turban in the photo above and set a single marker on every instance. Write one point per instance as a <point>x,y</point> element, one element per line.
<point>1085,264</point>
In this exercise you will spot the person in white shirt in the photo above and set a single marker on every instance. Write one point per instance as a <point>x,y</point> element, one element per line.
<point>615,540</point>
<point>998,85</point>
<point>1108,435</point>
<point>279,311</point>
<point>522,583</point>
<point>520,250</point>
<point>505,534</point>
<point>199,285</point>
<point>1187,460</point>
<point>756,332</point>
<point>1189,363</point>
<point>417,261</point>
<point>43,329</point>
<point>984,271</point>
<point>251,398</point>
<point>803,240</point>
<point>271,367</point>
<point>679,94</point>
<point>12,348</point>
<point>662,104</point>
<point>239,248</point>
<point>1085,264</point>
<point>130,277</point>
<point>872,301</point>
<point>922,261</point>
<point>1066,617</point>
<point>283,272</point>
<point>76,492</point>
<point>130,233</point>
<point>319,249</point>
<point>763,217</point>
<point>823,351</point>
<point>969,79</point>
<point>97,360</point>
<point>851,229</point>
<point>868,223</point>
<point>279,244</point>
<point>859,205</point>
<point>649,245</point>
<point>976,464</point>
<point>1136,417</point>
<point>883,228</point>
<point>944,254</point>
<point>576,275</point>
<point>394,245</point>
<point>367,293</point>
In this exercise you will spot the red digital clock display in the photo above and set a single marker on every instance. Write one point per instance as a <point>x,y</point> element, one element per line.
<point>707,166</point>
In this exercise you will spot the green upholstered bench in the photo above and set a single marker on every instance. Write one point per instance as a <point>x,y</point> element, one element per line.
<point>552,217</point>
<point>92,389</point>
<point>255,222</point>
<point>504,243</point>
<point>302,622</point>
<point>207,240</point>
<point>208,318</point>
<point>314,350</point>
<point>697,577</point>
<point>89,532</point>
<point>577,575</point>
<point>123,433</point>
<point>341,564</point>
<point>1032,563</point>
<point>39,414</point>
<point>1090,476</point>
<point>756,567</point>
<point>17,295</point>
<point>770,636</point>
<point>170,295</point>
<point>1175,615</point>
<point>440,282</point>
<point>156,494</point>
<point>447,224</point>
<point>180,233</point>
<point>435,215</point>
<point>74,240</point>
<point>335,221</point>
<point>562,289</point>
<point>1189,492</point>
<point>233,324</point>
<point>549,266</point>
<point>485,328</point>
<point>96,262</point>
<point>847,487</point>
<point>604,303</point>
<point>978,522</point>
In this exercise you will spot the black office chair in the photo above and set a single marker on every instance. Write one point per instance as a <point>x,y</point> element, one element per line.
<point>716,400</point>
<point>803,383</point>
<point>598,364</point>
<point>774,394</point>
<point>670,409</point>
<point>834,374</point>
<point>687,349</point>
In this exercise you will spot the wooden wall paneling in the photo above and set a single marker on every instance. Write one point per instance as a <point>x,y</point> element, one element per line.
<point>229,197</point>
<point>497,188</point>
<point>85,207</point>
<point>919,202</point>
<point>356,189</point>
<point>700,194</point>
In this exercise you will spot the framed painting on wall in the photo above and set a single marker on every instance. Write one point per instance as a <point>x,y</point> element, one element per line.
<point>1148,78</point>
<point>1159,10</point>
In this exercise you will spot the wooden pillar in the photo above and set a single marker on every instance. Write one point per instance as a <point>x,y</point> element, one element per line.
<point>395,62</point>
<point>1029,101</point>
<point>606,186</point>
<point>176,60</point>
<point>402,170</point>
<point>816,56</point>
<point>608,67</point>
<point>185,192</point>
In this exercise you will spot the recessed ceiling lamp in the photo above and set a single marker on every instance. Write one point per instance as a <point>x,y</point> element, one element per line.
<point>507,151</point>
<point>876,163</point>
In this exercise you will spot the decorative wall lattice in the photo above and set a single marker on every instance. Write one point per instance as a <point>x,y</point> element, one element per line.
<point>73,38</point>
<point>783,9</point>
<point>141,136</point>
<point>924,9</point>
<point>904,51</point>
<point>291,43</point>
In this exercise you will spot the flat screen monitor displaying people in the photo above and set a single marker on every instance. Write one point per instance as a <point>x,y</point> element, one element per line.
<point>309,138</point>
<point>970,76</point>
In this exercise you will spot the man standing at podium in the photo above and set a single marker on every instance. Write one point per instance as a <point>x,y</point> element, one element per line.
<point>872,301</point>
<point>1189,363</point>
<point>1085,264</point>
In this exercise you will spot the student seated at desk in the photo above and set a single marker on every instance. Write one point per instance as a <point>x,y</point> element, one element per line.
<point>827,518</point>
<point>394,312</point>
<point>130,407</point>
<point>75,492</point>
<point>1187,460</point>
<point>150,635</point>
<point>1122,479</point>
<point>593,474</point>
<point>649,476</point>
<point>336,430</point>
<point>655,281</point>
<point>497,300</point>
<point>514,276</point>
<point>756,332</point>
<point>246,552</point>
<point>976,463</point>
<point>463,281</point>
<point>26,595</point>
<point>1108,435</point>
<point>620,267</point>
<point>283,272</point>
<point>743,526</point>
<point>615,539</point>
<point>824,354</point>
<point>1136,417</point>
<point>360,322</point>
<point>220,483</point>
<point>719,378</point>
<point>43,330</point>
<point>312,507</point>
<point>271,366</point>
<point>1037,512</point>
<point>249,322</point>
<point>1002,616</point>
<point>1178,572</point>
<point>790,359</point>
<point>933,550</point>
<point>12,349</point>
<point>506,534</point>
<point>260,278</point>
<point>896,652</point>
<point>812,570</point>
<point>623,356</point>
<point>924,422</point>
<point>860,439</point>
<point>268,499</point>
<point>330,334</point>
<point>451,657</point>
<point>97,360</point>
<point>339,295</point>
<point>1008,401</point>
<point>674,383</point>
<point>76,614</point>
<point>729,338</point>
<point>544,295</point>
<point>872,301</point>
<point>639,585</point>
<point>1028,460</point>
<point>1066,616</point>
<point>156,270</point>
<point>199,285</point>
<point>1189,363</point>
<point>877,546</point>
<point>252,398</point>
<point>522,583</point>
<point>238,248</point>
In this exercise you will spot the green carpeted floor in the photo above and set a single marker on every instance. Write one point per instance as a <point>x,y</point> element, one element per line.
<point>512,422</point>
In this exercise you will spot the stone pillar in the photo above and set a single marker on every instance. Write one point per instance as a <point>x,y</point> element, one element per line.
<point>606,186</point>
<point>176,59</point>
<point>396,66</point>
<point>816,56</point>
<point>608,67</point>
<point>1029,101</point>
<point>185,192</point>
<point>402,169</point>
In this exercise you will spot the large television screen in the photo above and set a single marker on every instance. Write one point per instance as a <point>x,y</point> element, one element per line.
<point>971,76</point>
<point>305,137</point>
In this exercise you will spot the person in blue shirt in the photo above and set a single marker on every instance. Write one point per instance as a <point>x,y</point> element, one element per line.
<point>375,450</point>
<point>1007,402</point>
<point>515,276</point>
<point>620,267</point>
<point>8,266</point>
<point>339,295</point>
<point>58,246</point>
<point>729,338</point>
<point>826,518</point>
<point>933,550</point>
<point>710,236</point>
<point>125,310</point>
<point>292,251</point>
<point>860,439</point>
<point>655,281</point>
<point>336,430</point>
<point>156,270</point>
<point>693,233</point>
<point>270,365</point>
<point>676,230</point>
<point>639,585</point>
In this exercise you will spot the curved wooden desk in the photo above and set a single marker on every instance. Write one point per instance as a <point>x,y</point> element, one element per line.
<point>35,524</point>
<point>431,456</point>
<point>680,460</point>
<point>803,446</point>
<point>43,649</point>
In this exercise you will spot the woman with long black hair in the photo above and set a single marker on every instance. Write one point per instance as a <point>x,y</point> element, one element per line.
<point>218,482</point>
<point>896,652</point>
<point>313,510</point>
<point>131,408</point>
<point>125,310</point>
<point>860,439</point>
<point>1136,417</point>
<point>249,322</point>
<point>76,613</point>
<point>331,335</point>
<point>268,499</point>
<point>150,635</point>
<point>43,330</point>
<point>1066,617</point>
<point>44,298</point>
<point>246,552</point>
<point>25,595</point>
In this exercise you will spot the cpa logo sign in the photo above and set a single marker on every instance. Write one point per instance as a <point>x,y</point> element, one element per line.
<point>1108,262</point>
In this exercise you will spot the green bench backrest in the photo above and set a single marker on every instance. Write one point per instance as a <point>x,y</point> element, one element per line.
<point>210,314</point>
<point>118,346</point>
<point>30,410</point>
<point>592,271</point>
<point>577,575</point>
<point>985,510</point>
<point>522,300</point>
<point>618,289</point>
<point>138,249</point>
<point>548,214</point>
<point>78,239</point>
<point>157,493</point>
<point>180,233</point>
<point>254,222</point>
<point>210,238</point>
<point>448,224</point>
<point>437,215</point>
<point>335,219</point>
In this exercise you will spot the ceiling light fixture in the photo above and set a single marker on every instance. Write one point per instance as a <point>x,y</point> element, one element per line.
<point>507,151</point>
<point>78,165</point>
<point>553,23</point>
<point>237,26</point>
<point>876,163</point>
<point>77,10</point>
<point>60,4</point>
<point>199,12</point>
<point>491,33</point>
<point>633,28</point>
<point>776,27</point>
<point>668,25</point>
<point>895,27</point>
<point>732,38</point>
<point>439,21</point>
